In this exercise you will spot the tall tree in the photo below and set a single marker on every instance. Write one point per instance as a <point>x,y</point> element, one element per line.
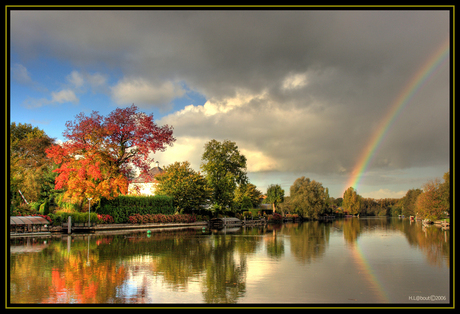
<point>275,195</point>
<point>309,197</point>
<point>408,202</point>
<point>95,160</point>
<point>188,187</point>
<point>352,201</point>
<point>28,162</point>
<point>224,167</point>
<point>431,203</point>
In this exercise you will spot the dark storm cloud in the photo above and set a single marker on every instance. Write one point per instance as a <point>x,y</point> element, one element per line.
<point>350,66</point>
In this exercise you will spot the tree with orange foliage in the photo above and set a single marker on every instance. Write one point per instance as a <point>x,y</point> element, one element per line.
<point>96,159</point>
<point>432,203</point>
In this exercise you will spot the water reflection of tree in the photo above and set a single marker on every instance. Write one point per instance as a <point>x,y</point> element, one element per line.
<point>309,241</point>
<point>225,277</point>
<point>432,241</point>
<point>274,243</point>
<point>351,230</point>
<point>77,276</point>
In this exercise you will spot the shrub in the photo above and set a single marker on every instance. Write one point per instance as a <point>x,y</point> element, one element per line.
<point>160,218</point>
<point>45,208</point>
<point>122,207</point>
<point>104,219</point>
<point>275,217</point>
<point>247,215</point>
<point>76,217</point>
<point>35,206</point>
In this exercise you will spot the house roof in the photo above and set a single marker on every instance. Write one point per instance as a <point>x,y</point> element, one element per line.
<point>149,176</point>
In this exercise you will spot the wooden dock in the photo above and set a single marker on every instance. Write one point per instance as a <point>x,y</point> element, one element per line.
<point>219,223</point>
<point>254,222</point>
<point>112,227</point>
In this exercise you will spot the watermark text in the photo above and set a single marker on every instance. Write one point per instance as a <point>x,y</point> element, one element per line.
<point>428,298</point>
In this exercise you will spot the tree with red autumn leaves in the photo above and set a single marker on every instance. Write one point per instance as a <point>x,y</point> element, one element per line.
<point>96,159</point>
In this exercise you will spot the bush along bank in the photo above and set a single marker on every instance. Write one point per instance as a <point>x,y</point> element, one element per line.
<point>63,217</point>
<point>160,218</point>
<point>123,207</point>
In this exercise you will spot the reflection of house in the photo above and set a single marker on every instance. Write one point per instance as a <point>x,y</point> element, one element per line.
<point>145,183</point>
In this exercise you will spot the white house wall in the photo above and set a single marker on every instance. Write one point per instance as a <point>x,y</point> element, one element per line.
<point>144,188</point>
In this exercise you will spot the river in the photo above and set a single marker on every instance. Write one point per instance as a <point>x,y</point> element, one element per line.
<point>372,261</point>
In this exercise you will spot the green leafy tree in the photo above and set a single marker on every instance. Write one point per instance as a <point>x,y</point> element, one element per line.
<point>224,167</point>
<point>309,197</point>
<point>29,166</point>
<point>247,196</point>
<point>352,201</point>
<point>275,195</point>
<point>407,203</point>
<point>188,187</point>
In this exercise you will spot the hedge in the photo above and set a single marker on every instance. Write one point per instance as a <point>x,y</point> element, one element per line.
<point>76,217</point>
<point>122,207</point>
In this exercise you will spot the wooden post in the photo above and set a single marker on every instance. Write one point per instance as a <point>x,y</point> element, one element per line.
<point>69,225</point>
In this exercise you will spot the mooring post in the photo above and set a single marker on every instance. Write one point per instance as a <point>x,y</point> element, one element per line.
<point>69,225</point>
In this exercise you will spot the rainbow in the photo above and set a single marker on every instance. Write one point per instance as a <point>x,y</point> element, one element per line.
<point>403,98</point>
<point>368,274</point>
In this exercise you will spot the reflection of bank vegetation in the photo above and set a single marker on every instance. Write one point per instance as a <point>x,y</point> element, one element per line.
<point>95,271</point>
<point>432,241</point>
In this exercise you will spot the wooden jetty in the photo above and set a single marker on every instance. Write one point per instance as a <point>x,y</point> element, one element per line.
<point>254,222</point>
<point>219,223</point>
<point>326,217</point>
<point>78,227</point>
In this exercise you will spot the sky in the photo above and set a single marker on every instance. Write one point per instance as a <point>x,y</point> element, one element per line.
<point>301,92</point>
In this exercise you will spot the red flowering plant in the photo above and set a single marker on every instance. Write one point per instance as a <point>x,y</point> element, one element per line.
<point>275,217</point>
<point>160,218</point>
<point>104,219</point>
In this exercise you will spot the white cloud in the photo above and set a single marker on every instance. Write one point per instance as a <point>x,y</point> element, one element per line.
<point>264,130</point>
<point>184,149</point>
<point>143,93</point>
<point>224,105</point>
<point>21,74</point>
<point>80,82</point>
<point>294,81</point>
<point>258,161</point>
<point>65,95</point>
<point>384,193</point>
<point>96,80</point>
<point>76,79</point>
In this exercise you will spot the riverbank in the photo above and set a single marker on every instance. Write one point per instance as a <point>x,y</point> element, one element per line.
<point>103,228</point>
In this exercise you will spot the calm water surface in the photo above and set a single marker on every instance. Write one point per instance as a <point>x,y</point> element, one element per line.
<point>373,260</point>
